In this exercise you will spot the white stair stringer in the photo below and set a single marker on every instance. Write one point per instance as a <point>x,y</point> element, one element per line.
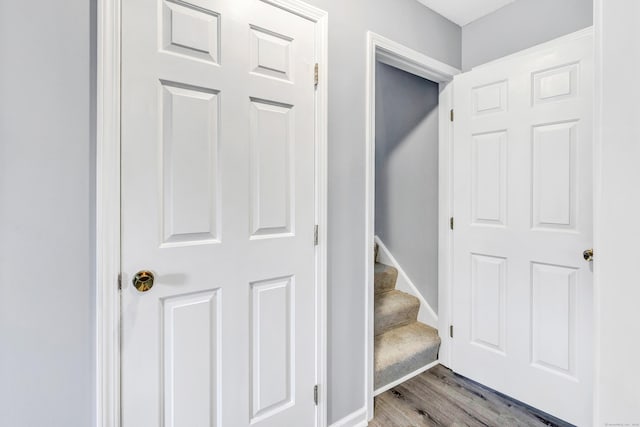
<point>426,314</point>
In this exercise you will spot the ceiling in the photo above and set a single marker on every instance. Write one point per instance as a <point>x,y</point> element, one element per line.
<point>463,12</point>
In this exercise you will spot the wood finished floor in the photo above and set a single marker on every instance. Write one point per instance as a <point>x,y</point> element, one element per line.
<point>439,397</point>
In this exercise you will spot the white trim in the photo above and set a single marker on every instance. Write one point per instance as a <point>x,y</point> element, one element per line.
<point>598,146</point>
<point>409,60</point>
<point>108,206</point>
<point>399,56</point>
<point>405,378</point>
<point>354,419</point>
<point>108,215</point>
<point>321,19</point>
<point>587,31</point>
<point>301,9</point>
<point>445,234</point>
<point>426,314</point>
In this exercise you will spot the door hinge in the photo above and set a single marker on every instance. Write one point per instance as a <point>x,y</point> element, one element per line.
<point>315,394</point>
<point>451,223</point>
<point>315,75</point>
<point>451,331</point>
<point>315,235</point>
<point>119,281</point>
<point>451,114</point>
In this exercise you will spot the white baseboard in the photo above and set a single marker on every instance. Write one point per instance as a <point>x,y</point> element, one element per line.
<point>426,314</point>
<point>354,419</point>
<point>405,378</point>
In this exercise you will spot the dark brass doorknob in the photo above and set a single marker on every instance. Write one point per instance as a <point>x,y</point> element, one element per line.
<point>588,255</point>
<point>143,280</point>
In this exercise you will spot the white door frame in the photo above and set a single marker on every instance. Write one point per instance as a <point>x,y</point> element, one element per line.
<point>107,304</point>
<point>382,49</point>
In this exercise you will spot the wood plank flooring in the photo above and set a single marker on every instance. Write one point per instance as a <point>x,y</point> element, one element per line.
<point>439,397</point>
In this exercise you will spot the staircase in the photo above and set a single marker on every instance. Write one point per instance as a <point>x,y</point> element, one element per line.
<point>402,344</point>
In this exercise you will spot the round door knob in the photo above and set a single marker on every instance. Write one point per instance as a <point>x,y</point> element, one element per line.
<point>143,280</point>
<point>588,255</point>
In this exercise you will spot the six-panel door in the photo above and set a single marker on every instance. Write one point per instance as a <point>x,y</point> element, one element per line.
<point>218,199</point>
<point>522,306</point>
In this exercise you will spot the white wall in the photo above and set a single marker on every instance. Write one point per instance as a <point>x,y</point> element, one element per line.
<point>520,25</point>
<point>617,296</point>
<point>406,142</point>
<point>46,214</point>
<point>409,23</point>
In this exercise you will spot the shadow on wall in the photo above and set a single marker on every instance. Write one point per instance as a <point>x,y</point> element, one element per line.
<point>406,213</point>
<point>403,102</point>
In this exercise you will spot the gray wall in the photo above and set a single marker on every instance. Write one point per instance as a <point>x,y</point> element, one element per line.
<point>520,25</point>
<point>46,215</point>
<point>410,23</point>
<point>46,210</point>
<point>407,174</point>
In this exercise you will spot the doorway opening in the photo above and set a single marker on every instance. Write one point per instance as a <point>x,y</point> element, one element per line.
<point>405,225</point>
<point>408,205</point>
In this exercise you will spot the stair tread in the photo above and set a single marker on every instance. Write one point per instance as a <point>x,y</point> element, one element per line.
<point>402,350</point>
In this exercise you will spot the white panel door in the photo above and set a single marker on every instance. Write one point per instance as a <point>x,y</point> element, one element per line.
<point>218,199</point>
<point>522,299</point>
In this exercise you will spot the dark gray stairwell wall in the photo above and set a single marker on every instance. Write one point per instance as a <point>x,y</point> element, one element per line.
<point>406,213</point>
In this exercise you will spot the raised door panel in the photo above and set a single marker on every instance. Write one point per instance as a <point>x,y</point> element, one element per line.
<point>488,296</point>
<point>189,164</point>
<point>272,177</point>
<point>271,54</point>
<point>553,308</point>
<point>555,84</point>
<point>490,98</point>
<point>489,178</point>
<point>554,176</point>
<point>272,347</point>
<point>191,345</point>
<point>190,30</point>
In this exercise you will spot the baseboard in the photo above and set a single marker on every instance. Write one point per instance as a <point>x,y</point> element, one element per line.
<point>354,419</point>
<point>405,378</point>
<point>426,314</point>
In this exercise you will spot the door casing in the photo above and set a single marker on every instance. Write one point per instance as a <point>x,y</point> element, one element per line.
<point>108,231</point>
<point>382,49</point>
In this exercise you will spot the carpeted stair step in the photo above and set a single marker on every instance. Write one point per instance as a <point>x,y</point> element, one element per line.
<point>385,277</point>
<point>394,308</point>
<point>402,350</point>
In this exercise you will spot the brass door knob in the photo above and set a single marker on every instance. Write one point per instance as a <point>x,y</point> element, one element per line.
<point>588,255</point>
<point>143,280</point>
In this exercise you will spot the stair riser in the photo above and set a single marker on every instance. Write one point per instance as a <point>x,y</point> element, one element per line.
<point>385,321</point>
<point>412,363</point>
<point>385,281</point>
<point>403,350</point>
